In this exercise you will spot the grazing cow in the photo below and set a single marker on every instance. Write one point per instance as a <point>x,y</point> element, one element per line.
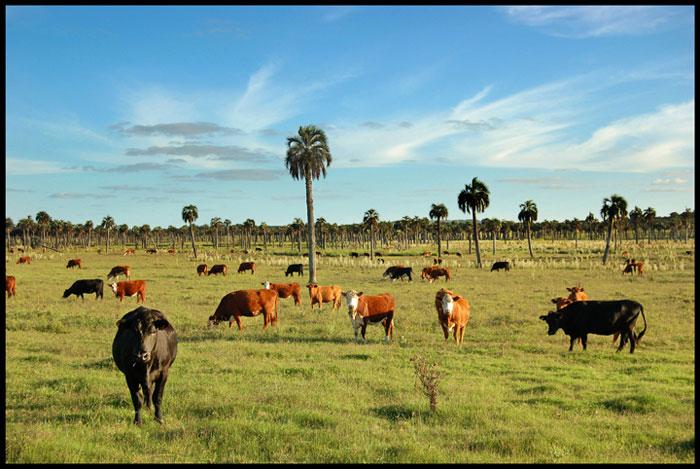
<point>10,285</point>
<point>380,259</point>
<point>318,253</point>
<point>366,309</point>
<point>80,287</point>
<point>129,252</point>
<point>458,254</point>
<point>453,313</point>
<point>135,288</point>
<point>247,303</point>
<point>118,270</point>
<point>500,265</point>
<point>445,253</point>
<point>291,268</point>
<point>24,260</point>
<point>144,349</point>
<point>426,254</point>
<point>218,269</point>
<point>366,254</point>
<point>377,254</point>
<point>354,254</point>
<point>172,251</point>
<point>202,269</point>
<point>258,249</point>
<point>247,266</point>
<point>74,263</point>
<point>581,318</point>
<point>285,290</point>
<point>398,271</point>
<point>432,273</point>
<point>151,251</point>
<point>629,267</point>
<point>638,267</point>
<point>324,294</point>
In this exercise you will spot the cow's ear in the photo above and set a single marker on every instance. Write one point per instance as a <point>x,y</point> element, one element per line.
<point>161,323</point>
<point>456,298</point>
<point>360,294</point>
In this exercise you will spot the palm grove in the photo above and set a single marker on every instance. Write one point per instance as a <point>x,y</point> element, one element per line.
<point>307,159</point>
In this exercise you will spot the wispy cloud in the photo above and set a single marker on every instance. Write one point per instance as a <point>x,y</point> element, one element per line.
<point>236,175</point>
<point>25,167</point>
<point>78,195</point>
<point>181,129</point>
<point>597,21</point>
<point>227,152</point>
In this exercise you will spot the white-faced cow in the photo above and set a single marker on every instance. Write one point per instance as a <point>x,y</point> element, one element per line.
<point>581,318</point>
<point>144,348</point>
<point>453,314</point>
<point>365,309</point>
<point>285,290</point>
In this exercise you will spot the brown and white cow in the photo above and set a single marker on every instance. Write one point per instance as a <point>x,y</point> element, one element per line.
<point>202,269</point>
<point>370,309</point>
<point>24,260</point>
<point>135,288</point>
<point>577,294</point>
<point>453,313</point>
<point>74,263</point>
<point>434,272</point>
<point>324,294</point>
<point>247,303</point>
<point>217,269</point>
<point>118,270</point>
<point>285,290</point>
<point>247,266</point>
<point>561,302</point>
<point>129,251</point>
<point>638,267</point>
<point>10,285</point>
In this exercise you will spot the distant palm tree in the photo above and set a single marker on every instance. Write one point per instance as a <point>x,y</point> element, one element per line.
<point>9,226</point>
<point>43,219</point>
<point>687,218</point>
<point>439,212</point>
<point>528,214</point>
<point>190,215</point>
<point>108,224</point>
<point>227,225</point>
<point>474,198</point>
<point>636,216</point>
<point>614,208</point>
<point>308,156</point>
<point>649,216</point>
<point>215,223</point>
<point>371,220</point>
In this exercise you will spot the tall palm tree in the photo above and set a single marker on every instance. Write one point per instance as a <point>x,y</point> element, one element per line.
<point>322,224</point>
<point>614,208</point>
<point>590,221</point>
<point>227,225</point>
<point>438,212</point>
<point>308,156</point>
<point>265,231</point>
<point>189,216</point>
<point>371,220</point>
<point>215,223</point>
<point>649,216</point>
<point>43,219</point>
<point>9,226</point>
<point>528,214</point>
<point>687,218</point>
<point>108,224</point>
<point>474,198</point>
<point>297,226</point>
<point>248,226</point>
<point>636,216</point>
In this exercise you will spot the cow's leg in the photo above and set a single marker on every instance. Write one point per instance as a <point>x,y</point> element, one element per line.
<point>633,339</point>
<point>461,333</point>
<point>135,397</point>
<point>572,341</point>
<point>445,331</point>
<point>623,340</point>
<point>584,341</point>
<point>363,330</point>
<point>238,321</point>
<point>159,387</point>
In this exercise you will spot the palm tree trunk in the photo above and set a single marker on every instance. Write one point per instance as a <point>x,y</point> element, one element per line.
<point>607,241</point>
<point>476,239</point>
<point>438,233</point>
<point>311,239</point>
<point>194,246</point>
<point>529,243</point>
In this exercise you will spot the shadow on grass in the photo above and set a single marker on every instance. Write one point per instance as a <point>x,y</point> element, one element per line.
<point>681,448</point>
<point>395,413</point>
<point>632,404</point>
<point>266,338</point>
<point>355,356</point>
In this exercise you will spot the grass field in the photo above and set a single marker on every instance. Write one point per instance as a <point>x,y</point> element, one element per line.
<point>304,391</point>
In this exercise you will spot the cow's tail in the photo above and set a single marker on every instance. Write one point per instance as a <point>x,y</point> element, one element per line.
<point>639,337</point>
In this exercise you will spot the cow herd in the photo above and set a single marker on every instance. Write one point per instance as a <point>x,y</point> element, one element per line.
<point>145,344</point>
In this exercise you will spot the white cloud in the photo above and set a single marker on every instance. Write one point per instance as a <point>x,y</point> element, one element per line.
<point>22,167</point>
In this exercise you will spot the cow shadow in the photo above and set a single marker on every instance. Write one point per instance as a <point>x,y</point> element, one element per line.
<point>396,413</point>
<point>211,336</point>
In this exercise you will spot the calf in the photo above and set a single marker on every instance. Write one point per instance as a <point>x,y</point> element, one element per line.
<point>581,318</point>
<point>218,269</point>
<point>500,265</point>
<point>74,263</point>
<point>291,268</point>
<point>118,270</point>
<point>10,285</point>
<point>285,290</point>
<point>80,287</point>
<point>144,349</point>
<point>561,302</point>
<point>247,266</point>
<point>364,310</point>
<point>24,260</point>
<point>135,288</point>
<point>324,294</point>
<point>577,294</point>
<point>129,252</point>
<point>453,313</point>
<point>202,269</point>
<point>247,303</point>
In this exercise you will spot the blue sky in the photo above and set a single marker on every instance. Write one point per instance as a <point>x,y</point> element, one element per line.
<point>135,112</point>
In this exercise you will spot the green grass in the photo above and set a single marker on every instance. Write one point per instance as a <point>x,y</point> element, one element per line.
<point>306,392</point>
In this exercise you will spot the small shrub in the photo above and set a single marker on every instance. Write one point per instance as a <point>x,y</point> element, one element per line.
<point>429,376</point>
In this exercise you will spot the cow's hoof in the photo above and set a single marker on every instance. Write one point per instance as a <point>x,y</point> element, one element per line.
<point>160,420</point>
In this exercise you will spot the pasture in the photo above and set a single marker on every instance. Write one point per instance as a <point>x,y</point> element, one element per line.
<point>304,391</point>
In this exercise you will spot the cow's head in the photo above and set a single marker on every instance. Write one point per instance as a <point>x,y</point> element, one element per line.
<point>114,287</point>
<point>213,321</point>
<point>312,287</point>
<point>553,320</point>
<point>66,293</point>
<point>352,299</point>
<point>144,324</point>
<point>266,285</point>
<point>448,303</point>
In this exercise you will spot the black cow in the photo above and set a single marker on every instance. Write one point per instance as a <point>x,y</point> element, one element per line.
<point>354,254</point>
<point>396,272</point>
<point>298,268</point>
<point>581,318</point>
<point>80,287</point>
<point>500,265</point>
<point>144,349</point>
